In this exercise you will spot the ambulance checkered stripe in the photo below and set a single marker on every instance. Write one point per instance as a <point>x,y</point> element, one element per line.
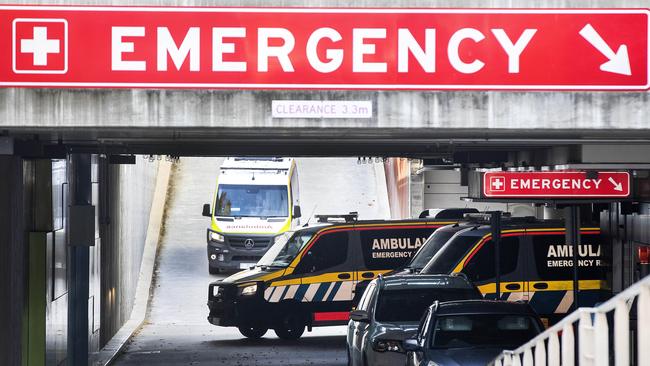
<point>551,302</point>
<point>315,292</point>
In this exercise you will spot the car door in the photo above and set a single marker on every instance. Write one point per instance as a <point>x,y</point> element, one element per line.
<point>327,281</point>
<point>480,268</point>
<point>359,329</point>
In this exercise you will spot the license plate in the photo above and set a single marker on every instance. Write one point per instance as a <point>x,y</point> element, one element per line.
<point>246,265</point>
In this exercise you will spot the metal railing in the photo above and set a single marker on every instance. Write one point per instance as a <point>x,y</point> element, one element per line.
<point>557,345</point>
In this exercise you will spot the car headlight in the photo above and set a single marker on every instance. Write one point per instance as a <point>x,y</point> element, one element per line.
<point>216,237</point>
<point>249,290</point>
<point>383,345</point>
<point>215,291</point>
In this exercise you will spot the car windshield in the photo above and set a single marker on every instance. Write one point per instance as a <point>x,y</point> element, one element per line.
<point>430,248</point>
<point>483,330</point>
<point>408,305</point>
<point>446,259</point>
<point>251,201</point>
<point>286,248</point>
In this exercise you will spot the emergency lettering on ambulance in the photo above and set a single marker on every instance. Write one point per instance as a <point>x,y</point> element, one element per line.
<point>536,264</point>
<point>308,277</point>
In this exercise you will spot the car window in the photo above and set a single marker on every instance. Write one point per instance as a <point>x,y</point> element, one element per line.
<point>328,251</point>
<point>481,267</point>
<point>367,296</point>
<point>483,330</point>
<point>392,247</point>
<point>408,305</point>
<point>424,325</point>
<point>554,258</point>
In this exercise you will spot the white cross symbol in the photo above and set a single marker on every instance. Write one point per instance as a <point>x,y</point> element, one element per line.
<point>40,46</point>
<point>497,183</point>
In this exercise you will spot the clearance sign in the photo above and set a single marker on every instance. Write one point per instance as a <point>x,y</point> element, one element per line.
<point>320,48</point>
<point>558,184</point>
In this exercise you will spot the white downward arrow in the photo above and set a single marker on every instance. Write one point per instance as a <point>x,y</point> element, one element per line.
<point>619,62</point>
<point>617,186</point>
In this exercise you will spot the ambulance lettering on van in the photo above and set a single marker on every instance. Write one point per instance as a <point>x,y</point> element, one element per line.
<point>565,250</point>
<point>396,247</point>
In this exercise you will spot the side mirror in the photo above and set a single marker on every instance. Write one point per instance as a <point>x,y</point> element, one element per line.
<point>206,210</point>
<point>296,212</point>
<point>411,345</point>
<point>360,316</point>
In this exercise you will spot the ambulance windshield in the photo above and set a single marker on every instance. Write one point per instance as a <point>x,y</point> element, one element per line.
<point>430,248</point>
<point>286,248</point>
<point>445,260</point>
<point>237,200</point>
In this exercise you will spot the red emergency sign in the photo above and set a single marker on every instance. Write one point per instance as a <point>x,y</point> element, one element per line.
<point>320,48</point>
<point>556,184</point>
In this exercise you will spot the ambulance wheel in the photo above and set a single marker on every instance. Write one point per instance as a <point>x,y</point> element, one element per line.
<point>252,332</point>
<point>291,327</point>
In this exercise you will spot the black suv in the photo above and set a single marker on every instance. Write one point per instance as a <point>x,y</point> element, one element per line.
<point>470,332</point>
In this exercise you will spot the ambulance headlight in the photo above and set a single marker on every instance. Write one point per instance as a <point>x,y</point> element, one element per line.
<point>249,290</point>
<point>214,236</point>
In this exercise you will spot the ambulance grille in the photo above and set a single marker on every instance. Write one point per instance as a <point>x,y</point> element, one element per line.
<point>240,242</point>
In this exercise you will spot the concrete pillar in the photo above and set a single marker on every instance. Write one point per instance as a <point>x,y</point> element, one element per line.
<point>12,260</point>
<point>37,198</point>
<point>80,237</point>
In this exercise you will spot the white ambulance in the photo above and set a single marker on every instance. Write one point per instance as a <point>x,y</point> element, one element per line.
<point>255,201</point>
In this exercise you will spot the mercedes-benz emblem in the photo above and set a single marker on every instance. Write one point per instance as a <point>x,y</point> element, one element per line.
<point>249,243</point>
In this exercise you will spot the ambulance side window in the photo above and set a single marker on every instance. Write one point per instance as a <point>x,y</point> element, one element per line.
<point>481,266</point>
<point>328,251</point>
<point>554,258</point>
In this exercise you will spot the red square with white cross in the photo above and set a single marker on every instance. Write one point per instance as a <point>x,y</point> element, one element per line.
<point>497,184</point>
<point>40,46</point>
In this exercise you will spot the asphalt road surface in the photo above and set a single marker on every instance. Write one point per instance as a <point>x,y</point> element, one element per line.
<point>176,331</point>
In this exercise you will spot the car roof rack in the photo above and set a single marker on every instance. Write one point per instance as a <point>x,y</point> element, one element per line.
<point>347,218</point>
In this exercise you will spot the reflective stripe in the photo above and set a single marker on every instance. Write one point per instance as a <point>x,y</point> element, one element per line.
<point>300,292</point>
<point>565,303</point>
<point>322,290</point>
<point>268,293</point>
<point>331,316</point>
<point>333,292</point>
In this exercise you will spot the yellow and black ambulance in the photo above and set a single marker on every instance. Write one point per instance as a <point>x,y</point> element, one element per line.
<point>308,277</point>
<point>536,263</point>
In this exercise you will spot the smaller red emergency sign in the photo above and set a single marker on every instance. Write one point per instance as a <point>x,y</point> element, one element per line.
<point>556,184</point>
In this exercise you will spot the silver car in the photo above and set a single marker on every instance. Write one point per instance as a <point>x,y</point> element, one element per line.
<point>390,310</point>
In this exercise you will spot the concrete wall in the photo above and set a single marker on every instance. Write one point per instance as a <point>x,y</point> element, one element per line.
<point>397,171</point>
<point>484,112</point>
<point>124,224</point>
<point>442,189</point>
<point>626,233</point>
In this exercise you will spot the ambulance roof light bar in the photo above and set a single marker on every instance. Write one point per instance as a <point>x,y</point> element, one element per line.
<point>348,218</point>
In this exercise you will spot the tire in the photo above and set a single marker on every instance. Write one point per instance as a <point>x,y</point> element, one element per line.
<point>291,327</point>
<point>213,270</point>
<point>252,332</point>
